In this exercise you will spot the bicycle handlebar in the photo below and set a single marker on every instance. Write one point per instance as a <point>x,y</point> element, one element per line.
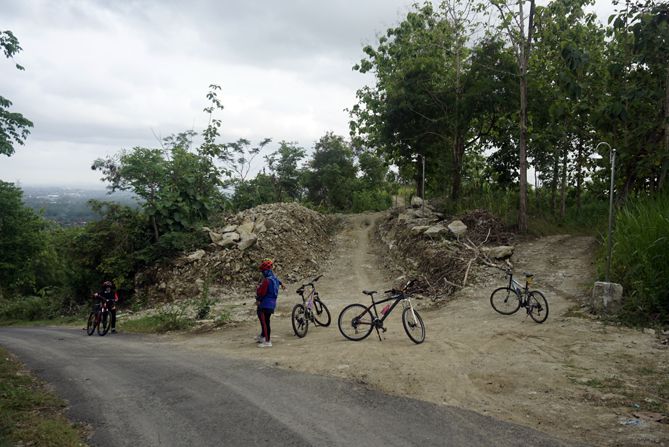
<point>300,289</point>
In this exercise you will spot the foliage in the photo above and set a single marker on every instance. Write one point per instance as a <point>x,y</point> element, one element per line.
<point>171,317</point>
<point>640,258</point>
<point>24,245</point>
<point>284,171</point>
<point>14,127</point>
<point>331,176</point>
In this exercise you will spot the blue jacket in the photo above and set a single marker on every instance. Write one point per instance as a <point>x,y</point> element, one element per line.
<point>268,290</point>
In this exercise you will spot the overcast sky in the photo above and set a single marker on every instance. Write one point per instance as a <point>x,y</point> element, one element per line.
<point>103,75</point>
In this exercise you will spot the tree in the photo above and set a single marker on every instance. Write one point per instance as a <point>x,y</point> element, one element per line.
<point>331,177</point>
<point>283,166</point>
<point>22,241</point>
<point>521,39</point>
<point>14,127</point>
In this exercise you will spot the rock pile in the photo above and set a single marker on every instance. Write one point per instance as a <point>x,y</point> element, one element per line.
<point>298,239</point>
<point>441,251</point>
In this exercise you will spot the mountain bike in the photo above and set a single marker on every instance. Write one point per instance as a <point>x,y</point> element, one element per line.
<point>357,321</point>
<point>507,300</point>
<point>99,319</point>
<point>312,309</point>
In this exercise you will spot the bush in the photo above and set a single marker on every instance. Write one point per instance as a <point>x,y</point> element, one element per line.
<point>371,200</point>
<point>30,309</point>
<point>640,259</point>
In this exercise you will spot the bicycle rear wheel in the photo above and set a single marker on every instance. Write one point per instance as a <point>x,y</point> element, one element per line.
<point>299,320</point>
<point>505,301</point>
<point>105,323</point>
<point>355,322</point>
<point>414,327</point>
<point>90,324</point>
<point>321,314</point>
<point>537,306</point>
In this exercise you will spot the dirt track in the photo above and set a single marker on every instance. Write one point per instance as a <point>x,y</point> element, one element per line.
<point>572,377</point>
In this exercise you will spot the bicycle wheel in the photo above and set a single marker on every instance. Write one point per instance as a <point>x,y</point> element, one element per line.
<point>355,322</point>
<point>105,324</point>
<point>537,306</point>
<point>414,327</point>
<point>505,301</point>
<point>90,325</point>
<point>299,320</point>
<point>321,314</point>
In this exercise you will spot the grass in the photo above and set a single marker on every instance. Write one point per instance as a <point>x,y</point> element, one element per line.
<point>73,320</point>
<point>168,318</point>
<point>29,413</point>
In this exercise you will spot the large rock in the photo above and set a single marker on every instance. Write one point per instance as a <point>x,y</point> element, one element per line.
<point>419,229</point>
<point>247,241</point>
<point>416,202</point>
<point>501,252</point>
<point>229,229</point>
<point>435,230</point>
<point>606,297</point>
<point>245,228</point>
<point>457,227</point>
<point>196,255</point>
<point>228,240</point>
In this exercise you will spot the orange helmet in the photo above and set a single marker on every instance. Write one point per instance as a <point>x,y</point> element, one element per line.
<point>266,264</point>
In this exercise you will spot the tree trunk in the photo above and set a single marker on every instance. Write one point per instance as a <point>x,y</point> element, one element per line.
<point>579,174</point>
<point>563,183</point>
<point>665,163</point>
<point>155,228</point>
<point>458,155</point>
<point>554,181</point>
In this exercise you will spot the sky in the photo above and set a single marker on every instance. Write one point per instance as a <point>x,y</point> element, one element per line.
<point>106,75</point>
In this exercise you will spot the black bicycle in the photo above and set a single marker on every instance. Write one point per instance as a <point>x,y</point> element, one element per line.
<point>507,300</point>
<point>99,318</point>
<point>356,321</point>
<point>312,309</point>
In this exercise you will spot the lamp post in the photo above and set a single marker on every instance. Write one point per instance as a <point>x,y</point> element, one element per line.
<point>612,157</point>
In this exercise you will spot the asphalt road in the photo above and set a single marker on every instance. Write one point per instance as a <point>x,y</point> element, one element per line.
<point>144,391</point>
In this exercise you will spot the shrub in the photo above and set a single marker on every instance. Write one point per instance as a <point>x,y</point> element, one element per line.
<point>640,259</point>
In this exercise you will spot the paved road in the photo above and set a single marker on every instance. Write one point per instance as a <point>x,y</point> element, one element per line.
<point>143,391</point>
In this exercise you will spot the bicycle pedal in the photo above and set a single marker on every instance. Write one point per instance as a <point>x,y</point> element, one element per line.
<point>384,329</point>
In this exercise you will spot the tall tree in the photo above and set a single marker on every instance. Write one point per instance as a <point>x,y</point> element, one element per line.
<point>14,127</point>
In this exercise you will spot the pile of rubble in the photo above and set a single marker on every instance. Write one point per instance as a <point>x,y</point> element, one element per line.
<point>440,251</point>
<point>298,239</point>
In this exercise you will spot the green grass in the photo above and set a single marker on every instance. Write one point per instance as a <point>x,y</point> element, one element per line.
<point>640,259</point>
<point>168,318</point>
<point>72,321</point>
<point>29,414</point>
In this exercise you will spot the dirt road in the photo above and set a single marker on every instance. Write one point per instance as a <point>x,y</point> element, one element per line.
<point>572,376</point>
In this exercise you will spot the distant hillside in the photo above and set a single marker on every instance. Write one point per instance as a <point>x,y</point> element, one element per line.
<point>69,206</point>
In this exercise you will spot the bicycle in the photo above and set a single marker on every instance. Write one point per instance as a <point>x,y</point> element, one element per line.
<point>356,321</point>
<point>312,309</point>
<point>99,318</point>
<point>507,300</point>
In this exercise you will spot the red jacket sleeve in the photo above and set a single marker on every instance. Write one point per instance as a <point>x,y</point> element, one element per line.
<point>261,291</point>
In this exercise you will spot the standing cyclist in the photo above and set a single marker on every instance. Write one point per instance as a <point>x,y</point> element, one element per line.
<point>110,296</point>
<point>266,294</point>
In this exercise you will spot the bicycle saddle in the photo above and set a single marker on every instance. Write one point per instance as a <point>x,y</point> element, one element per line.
<point>528,275</point>
<point>369,292</point>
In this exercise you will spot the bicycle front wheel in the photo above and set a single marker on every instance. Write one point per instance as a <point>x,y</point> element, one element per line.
<point>299,320</point>
<point>321,314</point>
<point>105,324</point>
<point>413,325</point>
<point>355,322</point>
<point>90,324</point>
<point>537,306</point>
<point>505,301</point>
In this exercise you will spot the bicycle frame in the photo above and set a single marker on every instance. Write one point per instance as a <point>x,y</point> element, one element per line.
<point>401,297</point>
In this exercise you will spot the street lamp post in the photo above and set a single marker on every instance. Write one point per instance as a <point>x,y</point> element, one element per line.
<point>612,157</point>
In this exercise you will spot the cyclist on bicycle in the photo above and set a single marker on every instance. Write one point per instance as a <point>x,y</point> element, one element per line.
<point>109,294</point>
<point>266,294</point>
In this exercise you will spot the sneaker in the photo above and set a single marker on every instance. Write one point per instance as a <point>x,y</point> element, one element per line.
<point>113,331</point>
<point>259,339</point>
<point>265,344</point>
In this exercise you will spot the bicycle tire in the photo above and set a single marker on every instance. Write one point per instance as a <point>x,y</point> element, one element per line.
<point>299,320</point>
<point>90,324</point>
<point>537,306</point>
<point>105,324</point>
<point>319,318</point>
<point>352,317</point>
<point>410,325</point>
<point>505,301</point>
